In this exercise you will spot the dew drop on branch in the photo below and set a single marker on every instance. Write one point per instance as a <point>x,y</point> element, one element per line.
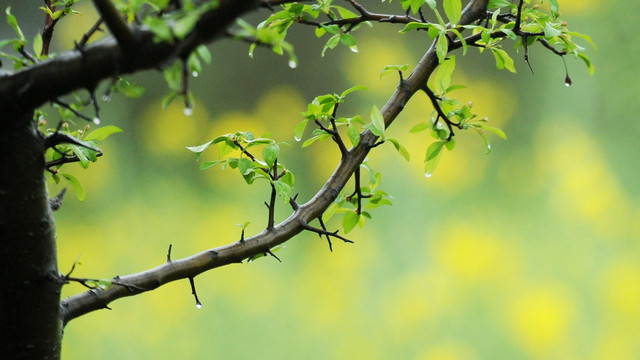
<point>293,64</point>
<point>194,74</point>
<point>106,97</point>
<point>96,121</point>
<point>188,111</point>
<point>198,305</point>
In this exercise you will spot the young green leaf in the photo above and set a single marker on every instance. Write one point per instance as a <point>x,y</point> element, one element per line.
<point>442,47</point>
<point>270,154</point>
<point>453,9</point>
<point>503,60</point>
<point>349,221</point>
<point>354,135</point>
<point>494,130</point>
<point>77,187</point>
<point>102,133</point>
<point>377,120</point>
<point>392,68</point>
<point>401,149</point>
<point>434,152</point>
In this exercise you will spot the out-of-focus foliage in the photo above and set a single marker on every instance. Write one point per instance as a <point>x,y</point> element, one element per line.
<point>529,253</point>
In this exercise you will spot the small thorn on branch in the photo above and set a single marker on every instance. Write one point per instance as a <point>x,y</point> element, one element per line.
<point>274,255</point>
<point>328,233</point>
<point>169,253</point>
<point>56,202</point>
<point>293,203</point>
<point>327,236</point>
<point>193,291</point>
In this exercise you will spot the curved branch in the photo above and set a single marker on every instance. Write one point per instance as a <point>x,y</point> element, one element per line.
<point>298,221</point>
<point>85,68</point>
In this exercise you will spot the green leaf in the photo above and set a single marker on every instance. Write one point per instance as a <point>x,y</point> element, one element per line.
<point>102,133</point>
<point>497,4</point>
<point>299,129</point>
<point>77,187</point>
<point>389,68</point>
<point>442,47</point>
<point>326,216</point>
<point>401,149</point>
<point>204,54</point>
<point>347,39</point>
<point>550,31</point>
<point>13,22</point>
<point>432,4</point>
<point>331,43</point>
<point>270,153</point>
<point>349,221</point>
<point>554,7</point>
<point>420,127</point>
<point>503,60</point>
<point>245,166</point>
<point>453,9</point>
<point>37,45</point>
<point>494,130</point>
<point>344,13</point>
<point>185,24</point>
<point>200,148</point>
<point>208,164</point>
<point>282,189</point>
<point>352,89</point>
<point>354,135</point>
<point>82,157</point>
<point>587,62</point>
<point>377,120</point>
<point>414,25</point>
<point>486,142</point>
<point>434,152</point>
<point>442,79</point>
<point>288,178</point>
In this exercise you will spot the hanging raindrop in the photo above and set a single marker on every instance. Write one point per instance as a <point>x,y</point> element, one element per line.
<point>188,111</point>
<point>106,97</point>
<point>293,64</point>
<point>194,74</point>
<point>96,121</point>
<point>198,305</point>
<point>567,81</point>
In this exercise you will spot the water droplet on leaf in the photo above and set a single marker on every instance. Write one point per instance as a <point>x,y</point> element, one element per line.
<point>428,175</point>
<point>199,305</point>
<point>354,48</point>
<point>293,64</point>
<point>106,97</point>
<point>96,121</point>
<point>194,74</point>
<point>188,111</point>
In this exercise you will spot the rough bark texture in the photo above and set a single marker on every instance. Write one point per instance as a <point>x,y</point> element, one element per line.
<point>30,320</point>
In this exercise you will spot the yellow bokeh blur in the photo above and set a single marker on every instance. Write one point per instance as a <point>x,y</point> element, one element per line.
<point>541,317</point>
<point>583,186</point>
<point>472,253</point>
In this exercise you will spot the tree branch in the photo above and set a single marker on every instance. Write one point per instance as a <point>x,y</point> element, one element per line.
<point>298,221</point>
<point>72,70</point>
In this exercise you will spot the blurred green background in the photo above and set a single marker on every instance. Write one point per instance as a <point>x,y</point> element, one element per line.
<point>531,252</point>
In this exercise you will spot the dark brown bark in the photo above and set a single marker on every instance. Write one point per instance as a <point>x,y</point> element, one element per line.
<point>30,320</point>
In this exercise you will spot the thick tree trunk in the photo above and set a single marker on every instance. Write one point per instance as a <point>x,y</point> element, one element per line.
<point>30,305</point>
